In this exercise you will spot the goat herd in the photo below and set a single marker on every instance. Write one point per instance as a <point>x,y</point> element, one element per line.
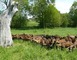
<point>69,41</point>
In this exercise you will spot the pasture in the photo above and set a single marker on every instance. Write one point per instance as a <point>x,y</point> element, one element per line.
<point>42,31</point>
<point>47,31</point>
<point>27,50</point>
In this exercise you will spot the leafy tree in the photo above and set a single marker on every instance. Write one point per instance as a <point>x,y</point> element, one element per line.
<point>73,14</point>
<point>20,19</point>
<point>54,16</point>
<point>46,14</point>
<point>65,20</point>
<point>41,12</point>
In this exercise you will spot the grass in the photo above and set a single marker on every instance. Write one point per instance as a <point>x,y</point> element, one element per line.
<point>27,50</point>
<point>32,23</point>
<point>31,51</point>
<point>53,31</point>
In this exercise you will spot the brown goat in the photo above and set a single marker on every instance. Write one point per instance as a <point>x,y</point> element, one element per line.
<point>64,44</point>
<point>16,36</point>
<point>37,38</point>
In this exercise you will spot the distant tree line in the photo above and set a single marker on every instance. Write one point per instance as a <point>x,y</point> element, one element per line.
<point>45,13</point>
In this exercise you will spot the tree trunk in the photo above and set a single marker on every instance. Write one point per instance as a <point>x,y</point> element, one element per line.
<point>5,33</point>
<point>5,22</point>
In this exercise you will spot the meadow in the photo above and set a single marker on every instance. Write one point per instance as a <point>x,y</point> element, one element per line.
<point>47,31</point>
<point>33,29</point>
<point>27,50</point>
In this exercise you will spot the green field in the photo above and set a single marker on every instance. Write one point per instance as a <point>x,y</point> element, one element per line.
<point>26,50</point>
<point>52,31</point>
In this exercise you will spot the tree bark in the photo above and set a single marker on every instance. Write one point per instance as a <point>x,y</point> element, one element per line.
<point>5,22</point>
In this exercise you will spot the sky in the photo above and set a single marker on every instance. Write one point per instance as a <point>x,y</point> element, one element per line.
<point>2,6</point>
<point>63,5</point>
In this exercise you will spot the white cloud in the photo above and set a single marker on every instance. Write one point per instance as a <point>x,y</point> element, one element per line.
<point>63,5</point>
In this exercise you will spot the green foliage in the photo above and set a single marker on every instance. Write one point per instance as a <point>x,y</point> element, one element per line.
<point>54,16</point>
<point>73,14</point>
<point>23,4</point>
<point>65,20</point>
<point>39,12</point>
<point>46,14</point>
<point>19,21</point>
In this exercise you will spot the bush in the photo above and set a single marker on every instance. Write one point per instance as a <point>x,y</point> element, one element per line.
<point>46,14</point>
<point>73,14</point>
<point>65,20</point>
<point>19,21</point>
<point>54,16</point>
